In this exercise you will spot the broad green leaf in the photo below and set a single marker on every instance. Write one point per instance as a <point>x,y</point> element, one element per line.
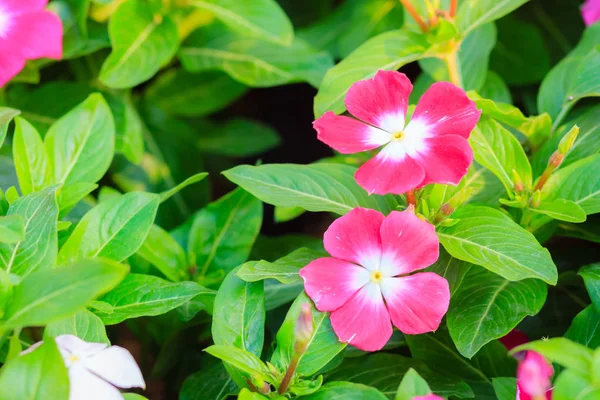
<point>315,187</point>
<point>346,391</point>
<point>474,13</point>
<point>239,358</point>
<point>6,115</point>
<point>164,196</point>
<point>38,249</point>
<point>487,307</point>
<point>39,375</point>
<point>412,385</point>
<point>571,385</point>
<point>145,295</point>
<point>262,18</point>
<point>182,93</point>
<point>81,145</point>
<point>564,352</point>
<point>585,328</point>
<point>29,155</point>
<point>495,89</point>
<point>83,324</point>
<point>498,150</point>
<point>12,229</point>
<point>142,43</point>
<point>129,128</point>
<point>246,394</point>
<point>70,195</point>
<point>388,51</point>
<point>562,210</point>
<point>133,396</point>
<point>587,142</point>
<point>212,383</point>
<point>489,238</point>
<point>505,388</point>
<point>239,138</point>
<point>450,268</point>
<point>285,269</point>
<point>251,61</point>
<point>323,346</point>
<point>591,277</point>
<point>51,294</point>
<point>579,183</point>
<point>384,371</point>
<point>162,251</point>
<point>114,229</point>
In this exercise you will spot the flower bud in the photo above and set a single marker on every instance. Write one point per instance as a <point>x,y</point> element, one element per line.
<point>555,160</point>
<point>566,143</point>
<point>533,375</point>
<point>535,199</point>
<point>259,383</point>
<point>304,327</point>
<point>517,181</point>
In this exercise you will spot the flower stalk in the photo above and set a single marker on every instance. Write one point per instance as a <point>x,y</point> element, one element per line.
<point>303,334</point>
<point>415,15</point>
<point>453,7</point>
<point>410,198</point>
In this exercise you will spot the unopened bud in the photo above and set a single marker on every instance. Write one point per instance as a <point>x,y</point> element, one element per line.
<point>556,159</point>
<point>304,326</point>
<point>259,383</point>
<point>273,370</point>
<point>535,199</point>
<point>567,142</point>
<point>517,181</point>
<point>447,209</point>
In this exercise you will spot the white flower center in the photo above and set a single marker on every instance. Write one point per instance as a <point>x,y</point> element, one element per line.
<point>4,23</point>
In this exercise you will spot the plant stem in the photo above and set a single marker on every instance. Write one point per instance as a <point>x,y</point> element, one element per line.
<point>285,383</point>
<point>453,7</point>
<point>414,14</point>
<point>451,60</point>
<point>540,184</point>
<point>410,198</point>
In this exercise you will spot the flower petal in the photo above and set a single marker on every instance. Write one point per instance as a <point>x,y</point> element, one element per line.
<point>381,101</point>
<point>84,385</point>
<point>416,303</point>
<point>533,374</point>
<point>444,109</point>
<point>408,243</point>
<point>428,397</point>
<point>363,321</point>
<point>590,11</point>
<point>330,282</point>
<point>384,174</point>
<point>354,237</point>
<point>80,348</point>
<point>117,366</point>
<point>446,161</point>
<point>38,34</point>
<point>348,135</point>
<point>23,6</point>
<point>10,65</point>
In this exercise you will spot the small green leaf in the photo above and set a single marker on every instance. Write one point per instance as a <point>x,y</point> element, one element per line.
<point>564,352</point>
<point>585,328</point>
<point>70,195</point>
<point>239,358</point>
<point>31,161</point>
<point>285,269</point>
<point>209,383</point>
<point>571,385</point>
<point>83,324</point>
<point>412,385</point>
<point>162,250</point>
<point>474,13</point>
<point>591,276</point>
<point>562,210</point>
<point>164,196</point>
<point>505,388</point>
<point>346,391</point>
<point>6,115</point>
<point>12,229</point>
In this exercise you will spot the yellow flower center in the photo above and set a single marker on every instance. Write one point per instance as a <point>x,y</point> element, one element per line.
<point>73,358</point>
<point>376,276</point>
<point>398,135</point>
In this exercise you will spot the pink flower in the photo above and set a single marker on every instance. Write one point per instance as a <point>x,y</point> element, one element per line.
<point>432,148</point>
<point>590,11</point>
<point>514,339</point>
<point>27,32</point>
<point>366,282</point>
<point>428,397</point>
<point>533,378</point>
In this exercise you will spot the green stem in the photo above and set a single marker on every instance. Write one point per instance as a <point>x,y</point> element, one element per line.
<point>451,60</point>
<point>287,379</point>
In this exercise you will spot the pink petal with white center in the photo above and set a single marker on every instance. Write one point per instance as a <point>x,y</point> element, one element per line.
<point>80,348</point>
<point>447,160</point>
<point>37,34</point>
<point>363,321</point>
<point>330,282</point>
<point>428,397</point>
<point>84,385</point>
<point>381,101</point>
<point>384,174</point>
<point>348,135</point>
<point>408,243</point>
<point>444,109</point>
<point>354,237</point>
<point>10,65</point>
<point>117,366</point>
<point>416,303</point>
<point>533,374</point>
<point>23,6</point>
<point>590,11</point>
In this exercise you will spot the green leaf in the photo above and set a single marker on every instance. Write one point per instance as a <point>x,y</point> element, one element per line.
<point>239,358</point>
<point>323,346</point>
<point>261,18</point>
<point>487,307</point>
<point>346,391</point>
<point>133,396</point>
<point>162,250</point>
<point>144,295</point>
<point>223,233</point>
<point>388,51</point>
<point>31,162</point>
<point>564,352</point>
<point>39,375</point>
<point>578,183</point>
<point>80,145</point>
<point>450,268</point>
<point>239,138</point>
<point>474,13</point>
<point>70,195</point>
<point>142,43</point>
<point>83,324</point>
<point>285,269</point>
<point>212,383</point>
<point>562,210</point>
<point>505,388</point>
<point>489,238</point>
<point>182,93</point>
<point>115,229</point>
<point>6,115</point>
<point>12,229</point>
<point>314,187</point>
<point>251,61</point>
<point>498,150</point>
<point>495,89</point>
<point>412,385</point>
<point>585,328</point>
<point>51,294</point>
<point>591,277</point>
<point>570,385</point>
<point>129,139</point>
<point>164,196</point>
<point>39,247</point>
<point>587,142</point>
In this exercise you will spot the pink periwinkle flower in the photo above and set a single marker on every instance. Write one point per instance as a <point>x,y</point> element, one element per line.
<point>431,148</point>
<point>513,339</point>
<point>590,11</point>
<point>533,378</point>
<point>367,280</point>
<point>27,32</point>
<point>428,397</point>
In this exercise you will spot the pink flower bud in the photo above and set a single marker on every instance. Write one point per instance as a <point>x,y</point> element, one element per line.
<point>533,375</point>
<point>304,324</point>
